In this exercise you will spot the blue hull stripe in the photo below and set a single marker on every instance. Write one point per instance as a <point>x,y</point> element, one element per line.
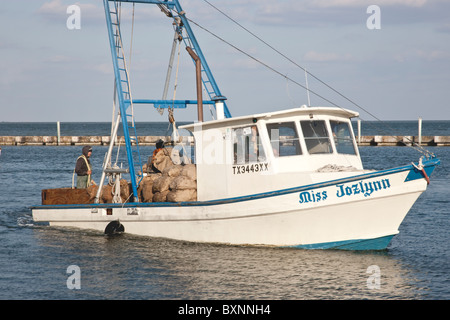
<point>360,244</point>
<point>413,175</point>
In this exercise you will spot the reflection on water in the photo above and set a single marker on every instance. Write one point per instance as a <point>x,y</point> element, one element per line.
<point>131,267</point>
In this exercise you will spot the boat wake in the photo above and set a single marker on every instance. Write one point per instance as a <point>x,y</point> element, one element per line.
<point>25,221</point>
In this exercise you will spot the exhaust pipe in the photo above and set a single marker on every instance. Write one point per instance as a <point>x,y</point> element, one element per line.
<point>198,72</point>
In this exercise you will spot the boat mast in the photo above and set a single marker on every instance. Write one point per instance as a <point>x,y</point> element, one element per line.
<point>122,81</point>
<point>123,91</point>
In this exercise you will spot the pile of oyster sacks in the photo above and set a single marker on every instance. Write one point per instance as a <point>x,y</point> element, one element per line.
<point>176,181</point>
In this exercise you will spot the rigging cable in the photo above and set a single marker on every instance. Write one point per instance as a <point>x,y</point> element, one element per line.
<point>171,109</point>
<point>414,145</point>
<point>419,148</point>
<point>290,60</point>
<point>262,63</point>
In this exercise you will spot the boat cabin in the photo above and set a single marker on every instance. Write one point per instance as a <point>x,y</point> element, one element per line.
<point>272,151</point>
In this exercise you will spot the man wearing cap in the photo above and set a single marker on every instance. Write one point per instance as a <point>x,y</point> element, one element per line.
<point>83,168</point>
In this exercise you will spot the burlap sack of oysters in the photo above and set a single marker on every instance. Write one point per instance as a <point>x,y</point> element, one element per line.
<point>176,182</point>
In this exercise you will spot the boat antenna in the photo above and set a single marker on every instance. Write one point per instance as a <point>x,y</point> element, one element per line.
<point>307,88</point>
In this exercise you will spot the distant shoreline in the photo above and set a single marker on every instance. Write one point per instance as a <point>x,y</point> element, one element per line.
<point>439,141</point>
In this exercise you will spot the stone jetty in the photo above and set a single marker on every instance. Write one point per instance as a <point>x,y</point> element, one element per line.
<point>440,141</point>
<point>73,140</point>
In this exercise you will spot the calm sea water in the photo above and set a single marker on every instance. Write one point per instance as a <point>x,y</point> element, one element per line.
<point>34,258</point>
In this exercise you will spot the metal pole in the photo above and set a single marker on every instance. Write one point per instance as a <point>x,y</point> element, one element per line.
<point>196,46</point>
<point>58,130</point>
<point>169,69</point>
<point>359,132</point>
<point>307,88</point>
<point>107,160</point>
<point>198,68</point>
<point>420,131</point>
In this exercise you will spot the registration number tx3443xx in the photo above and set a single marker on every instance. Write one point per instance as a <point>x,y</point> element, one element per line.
<point>250,168</point>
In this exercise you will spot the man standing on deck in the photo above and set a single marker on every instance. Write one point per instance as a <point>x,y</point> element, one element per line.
<point>83,168</point>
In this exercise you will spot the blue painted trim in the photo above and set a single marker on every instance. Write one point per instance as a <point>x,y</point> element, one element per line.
<point>416,174</point>
<point>429,165</point>
<point>171,4</point>
<point>359,244</point>
<point>168,103</point>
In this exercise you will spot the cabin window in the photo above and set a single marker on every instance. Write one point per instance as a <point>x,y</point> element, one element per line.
<point>284,139</point>
<point>342,137</point>
<point>316,136</point>
<point>247,145</point>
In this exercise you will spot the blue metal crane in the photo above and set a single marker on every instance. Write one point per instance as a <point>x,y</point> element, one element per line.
<point>174,10</point>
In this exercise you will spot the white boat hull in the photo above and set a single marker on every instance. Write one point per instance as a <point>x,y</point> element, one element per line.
<point>360,212</point>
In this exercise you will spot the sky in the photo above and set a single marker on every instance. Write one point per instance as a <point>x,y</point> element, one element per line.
<point>398,71</point>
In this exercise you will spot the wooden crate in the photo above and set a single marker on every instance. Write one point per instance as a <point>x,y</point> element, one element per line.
<point>65,196</point>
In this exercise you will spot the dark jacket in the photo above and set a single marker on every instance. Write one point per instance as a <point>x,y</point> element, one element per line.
<point>81,168</point>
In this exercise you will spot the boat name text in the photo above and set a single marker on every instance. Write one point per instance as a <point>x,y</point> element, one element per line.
<point>364,188</point>
<point>311,196</point>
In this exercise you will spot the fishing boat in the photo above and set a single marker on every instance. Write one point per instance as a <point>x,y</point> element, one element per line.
<point>291,178</point>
